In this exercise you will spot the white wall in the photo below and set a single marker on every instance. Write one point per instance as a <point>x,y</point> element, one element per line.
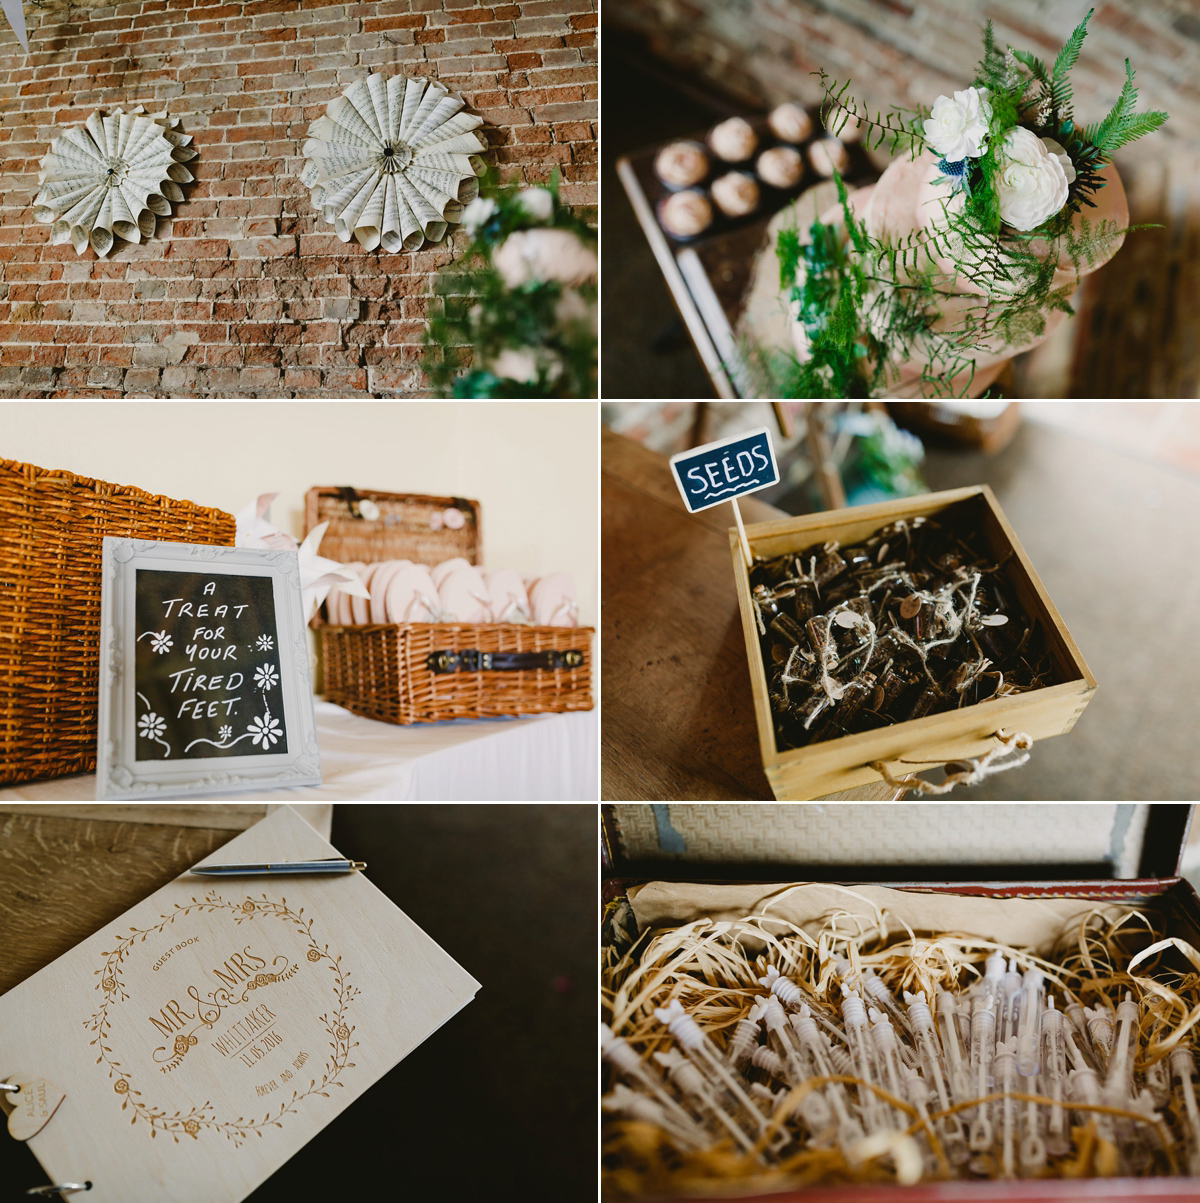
<point>532,464</point>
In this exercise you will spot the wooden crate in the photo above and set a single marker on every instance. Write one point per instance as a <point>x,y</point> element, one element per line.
<point>382,671</point>
<point>840,764</point>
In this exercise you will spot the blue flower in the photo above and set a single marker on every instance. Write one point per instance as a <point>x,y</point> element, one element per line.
<point>958,173</point>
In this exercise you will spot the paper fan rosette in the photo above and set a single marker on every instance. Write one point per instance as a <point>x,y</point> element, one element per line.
<point>112,177</point>
<point>393,162</point>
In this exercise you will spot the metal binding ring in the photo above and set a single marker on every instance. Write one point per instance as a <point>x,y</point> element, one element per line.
<point>60,1188</point>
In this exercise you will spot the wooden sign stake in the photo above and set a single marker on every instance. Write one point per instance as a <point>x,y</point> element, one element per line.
<point>737,513</point>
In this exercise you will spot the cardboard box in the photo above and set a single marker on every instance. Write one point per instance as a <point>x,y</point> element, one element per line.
<point>840,764</point>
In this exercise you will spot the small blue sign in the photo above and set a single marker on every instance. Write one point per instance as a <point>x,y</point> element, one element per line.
<point>726,469</point>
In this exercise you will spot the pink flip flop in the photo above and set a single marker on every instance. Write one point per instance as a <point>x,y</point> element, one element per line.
<point>463,594</point>
<point>552,599</point>
<point>379,586</point>
<point>506,592</point>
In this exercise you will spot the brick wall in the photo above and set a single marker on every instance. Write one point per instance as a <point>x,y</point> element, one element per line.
<point>245,291</point>
<point>907,52</point>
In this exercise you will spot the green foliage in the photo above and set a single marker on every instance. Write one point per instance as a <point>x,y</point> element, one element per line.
<point>830,295</point>
<point>1122,125</point>
<point>895,130</point>
<point>993,72</point>
<point>1056,86</point>
<point>1068,56</point>
<point>476,317</point>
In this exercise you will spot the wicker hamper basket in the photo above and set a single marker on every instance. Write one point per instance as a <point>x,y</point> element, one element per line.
<point>384,671</point>
<point>52,526</point>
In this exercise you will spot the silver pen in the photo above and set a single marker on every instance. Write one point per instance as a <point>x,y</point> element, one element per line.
<point>333,864</point>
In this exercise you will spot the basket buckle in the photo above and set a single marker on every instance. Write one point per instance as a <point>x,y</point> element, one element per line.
<point>572,659</point>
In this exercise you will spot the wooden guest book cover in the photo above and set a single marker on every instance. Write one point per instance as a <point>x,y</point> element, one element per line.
<point>212,1030</point>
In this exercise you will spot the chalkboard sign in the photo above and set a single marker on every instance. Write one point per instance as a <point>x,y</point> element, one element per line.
<point>725,469</point>
<point>207,666</point>
<point>205,686</point>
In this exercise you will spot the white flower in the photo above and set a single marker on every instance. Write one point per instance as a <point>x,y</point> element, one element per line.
<point>516,365</point>
<point>544,255</point>
<point>1032,184</point>
<point>957,129</point>
<point>151,725</point>
<point>225,733</point>
<point>265,730</point>
<point>265,643</point>
<point>476,214</point>
<point>265,677</point>
<point>161,642</point>
<point>538,203</point>
<point>523,365</point>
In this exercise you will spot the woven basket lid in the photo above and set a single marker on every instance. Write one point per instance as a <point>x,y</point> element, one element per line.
<point>401,526</point>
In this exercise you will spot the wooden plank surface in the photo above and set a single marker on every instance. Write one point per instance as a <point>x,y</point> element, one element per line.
<point>229,816</point>
<point>678,716</point>
<point>65,878</point>
<point>71,869</point>
<point>1136,334</point>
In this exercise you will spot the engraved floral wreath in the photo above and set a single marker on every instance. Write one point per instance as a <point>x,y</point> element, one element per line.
<point>199,1118</point>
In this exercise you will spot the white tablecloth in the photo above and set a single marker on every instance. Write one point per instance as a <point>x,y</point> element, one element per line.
<point>538,758</point>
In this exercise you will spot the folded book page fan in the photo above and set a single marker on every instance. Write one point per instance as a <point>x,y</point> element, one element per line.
<point>393,162</point>
<point>14,11</point>
<point>112,177</point>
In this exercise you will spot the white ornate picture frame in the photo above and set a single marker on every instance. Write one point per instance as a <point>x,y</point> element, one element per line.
<point>204,672</point>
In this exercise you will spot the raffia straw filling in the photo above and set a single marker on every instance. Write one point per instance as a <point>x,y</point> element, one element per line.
<point>713,969</point>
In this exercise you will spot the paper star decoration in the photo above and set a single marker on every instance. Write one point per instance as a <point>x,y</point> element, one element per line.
<point>318,575</point>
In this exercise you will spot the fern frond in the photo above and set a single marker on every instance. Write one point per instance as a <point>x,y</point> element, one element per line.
<point>895,129</point>
<point>1133,128</point>
<point>1113,131</point>
<point>1068,56</point>
<point>1036,67</point>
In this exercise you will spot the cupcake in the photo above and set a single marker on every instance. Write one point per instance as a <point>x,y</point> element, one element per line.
<point>828,155</point>
<point>781,167</point>
<point>790,123</point>
<point>685,214</point>
<point>681,164</point>
<point>733,140</point>
<point>736,194</point>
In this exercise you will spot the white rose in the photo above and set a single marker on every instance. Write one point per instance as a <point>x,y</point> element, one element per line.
<point>538,203</point>
<point>957,129</point>
<point>544,255</point>
<point>477,213</point>
<point>1032,184</point>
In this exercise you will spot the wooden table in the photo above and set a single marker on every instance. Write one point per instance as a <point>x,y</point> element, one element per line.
<point>69,870</point>
<point>678,717</point>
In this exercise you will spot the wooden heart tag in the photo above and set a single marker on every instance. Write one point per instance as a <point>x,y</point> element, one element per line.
<point>33,1106</point>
